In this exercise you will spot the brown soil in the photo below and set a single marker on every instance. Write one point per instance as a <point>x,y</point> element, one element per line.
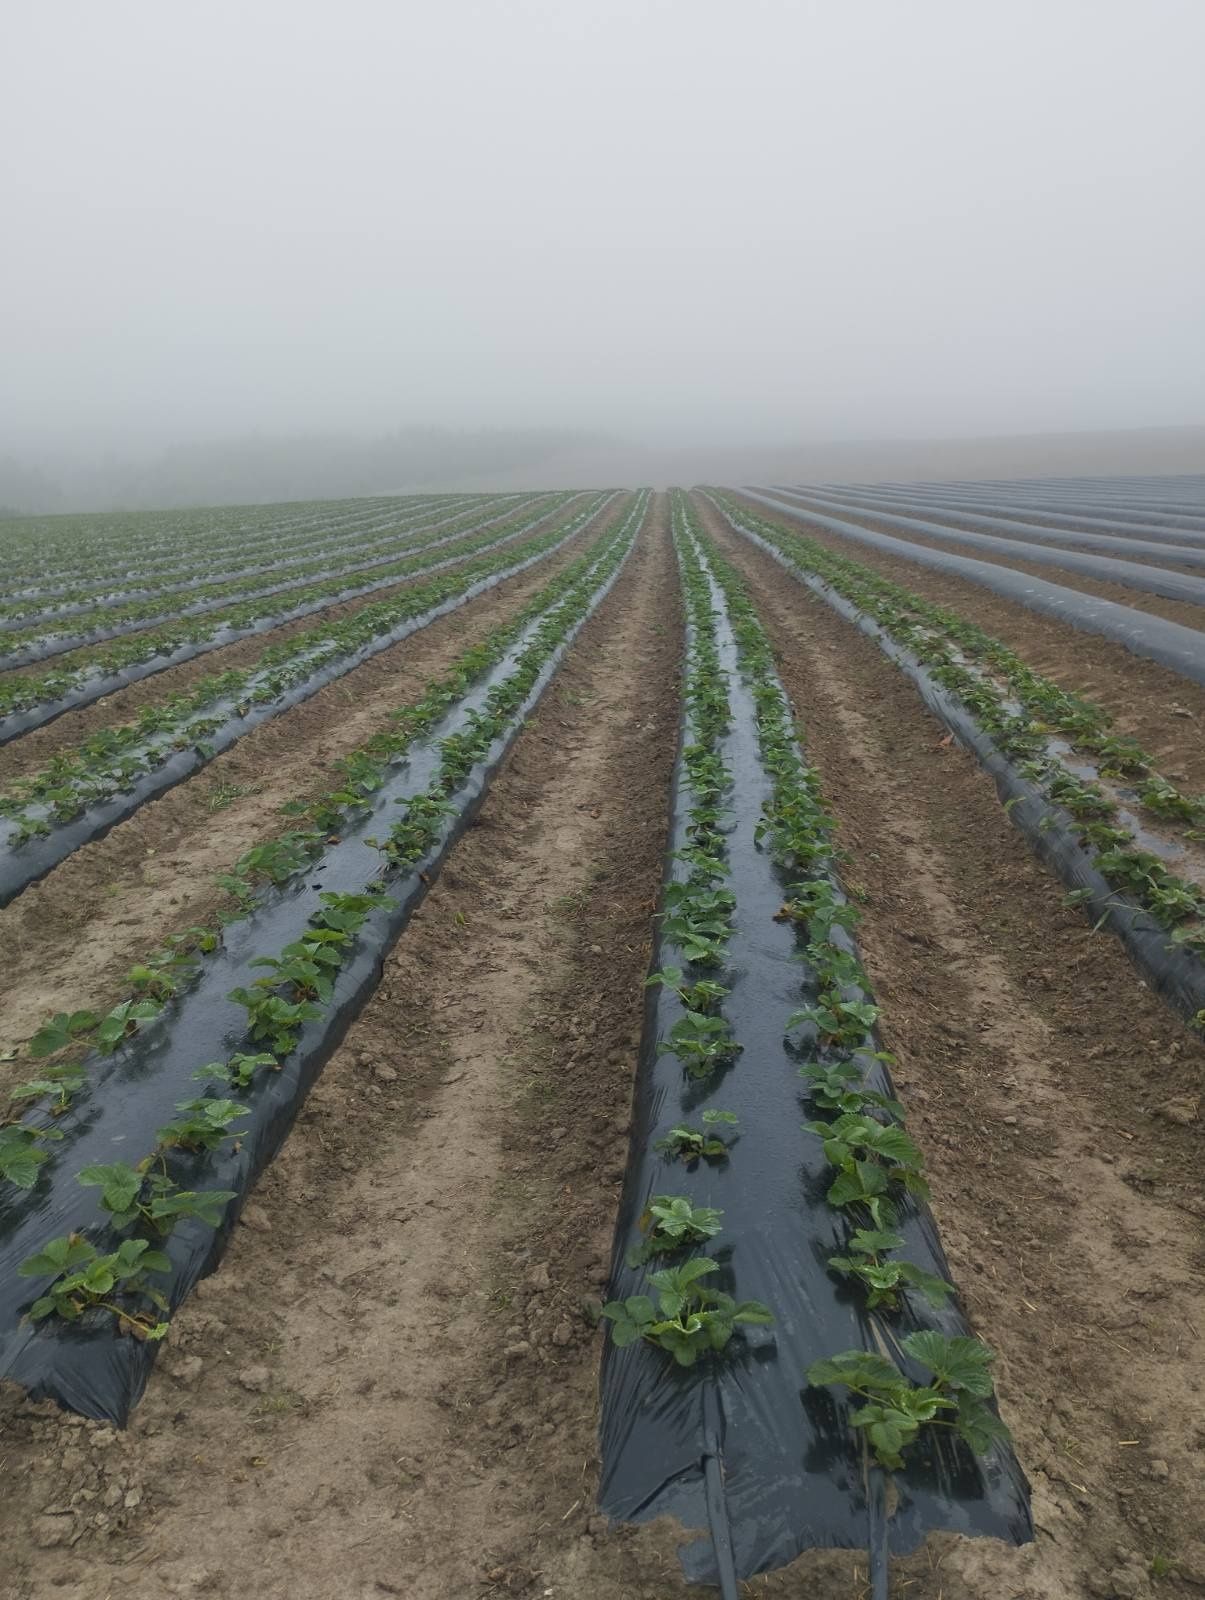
<point>154,874</point>
<point>390,1385</point>
<point>1058,1105</point>
<point>1163,711</point>
<point>1190,616</point>
<point>32,750</point>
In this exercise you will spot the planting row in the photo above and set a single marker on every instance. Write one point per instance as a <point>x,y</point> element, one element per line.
<point>741,1088</point>
<point>1173,528</point>
<point>1171,644</point>
<point>56,551</point>
<point>34,700</point>
<point>1130,574</point>
<point>321,551</point>
<point>87,790</point>
<point>1161,501</point>
<point>1093,799</point>
<point>248,599</point>
<point>95,1254</point>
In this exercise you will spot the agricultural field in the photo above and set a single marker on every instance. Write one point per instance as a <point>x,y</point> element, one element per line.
<point>582,1044</point>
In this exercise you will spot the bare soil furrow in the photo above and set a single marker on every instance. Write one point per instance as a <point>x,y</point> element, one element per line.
<point>1056,1101</point>
<point>1162,710</point>
<point>154,874</point>
<point>394,1355</point>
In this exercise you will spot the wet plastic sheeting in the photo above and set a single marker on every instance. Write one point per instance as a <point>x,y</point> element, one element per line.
<point>60,644</point>
<point>1130,574</point>
<point>1182,531</point>
<point>135,1091</point>
<point>1190,552</point>
<point>95,688</point>
<point>1169,643</point>
<point>351,548</point>
<point>24,864</point>
<point>792,1467</point>
<point>1172,972</point>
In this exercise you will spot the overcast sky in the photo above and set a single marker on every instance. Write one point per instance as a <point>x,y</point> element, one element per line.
<point>669,219</point>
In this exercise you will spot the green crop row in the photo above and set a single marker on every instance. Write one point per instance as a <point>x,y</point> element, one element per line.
<point>109,760</point>
<point>21,693</point>
<point>991,680</point>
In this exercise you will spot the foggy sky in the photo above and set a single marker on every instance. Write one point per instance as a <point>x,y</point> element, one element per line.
<point>669,220</point>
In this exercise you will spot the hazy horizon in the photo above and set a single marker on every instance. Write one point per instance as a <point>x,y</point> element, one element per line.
<point>667,226</point>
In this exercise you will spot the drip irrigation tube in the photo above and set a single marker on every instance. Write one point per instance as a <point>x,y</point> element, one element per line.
<point>25,864</point>
<point>1053,834</point>
<point>90,1369</point>
<point>1169,643</point>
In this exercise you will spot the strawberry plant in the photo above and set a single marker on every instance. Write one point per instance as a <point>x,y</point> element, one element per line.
<point>272,1019</point>
<point>239,1072</point>
<point>670,1222</point>
<point>838,1022</point>
<point>61,1082</point>
<point>140,1194</point>
<point>896,1409</point>
<point>84,1280</point>
<point>62,1029</point>
<point>21,1153</point>
<point>702,1043</point>
<point>687,1320</point>
<point>691,1144</point>
<point>122,1022</point>
<point>204,1125</point>
<point>886,1280</point>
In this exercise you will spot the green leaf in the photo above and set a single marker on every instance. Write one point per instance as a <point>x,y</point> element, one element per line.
<point>60,1031</point>
<point>118,1183</point>
<point>961,1363</point>
<point>57,1256</point>
<point>978,1424</point>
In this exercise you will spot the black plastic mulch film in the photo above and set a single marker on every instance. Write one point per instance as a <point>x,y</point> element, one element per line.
<point>24,864</point>
<point>391,528</point>
<point>1018,539</point>
<point>1172,971</point>
<point>1169,643</point>
<point>39,650</point>
<point>90,1368</point>
<point>740,1444</point>
<point>96,687</point>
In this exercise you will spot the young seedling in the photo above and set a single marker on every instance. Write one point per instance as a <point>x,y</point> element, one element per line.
<point>239,1072</point>
<point>273,1019</point>
<point>60,1082</point>
<point>897,1409</point>
<point>886,1280</point>
<point>838,1022</point>
<point>870,1155</point>
<point>136,1194</point>
<point>62,1029</point>
<point>693,1144</point>
<point>670,1222</point>
<point>85,1281</point>
<point>701,1043</point>
<point>687,1320</point>
<point>839,1087</point>
<point>703,996</point>
<point>21,1154</point>
<point>204,1125</point>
